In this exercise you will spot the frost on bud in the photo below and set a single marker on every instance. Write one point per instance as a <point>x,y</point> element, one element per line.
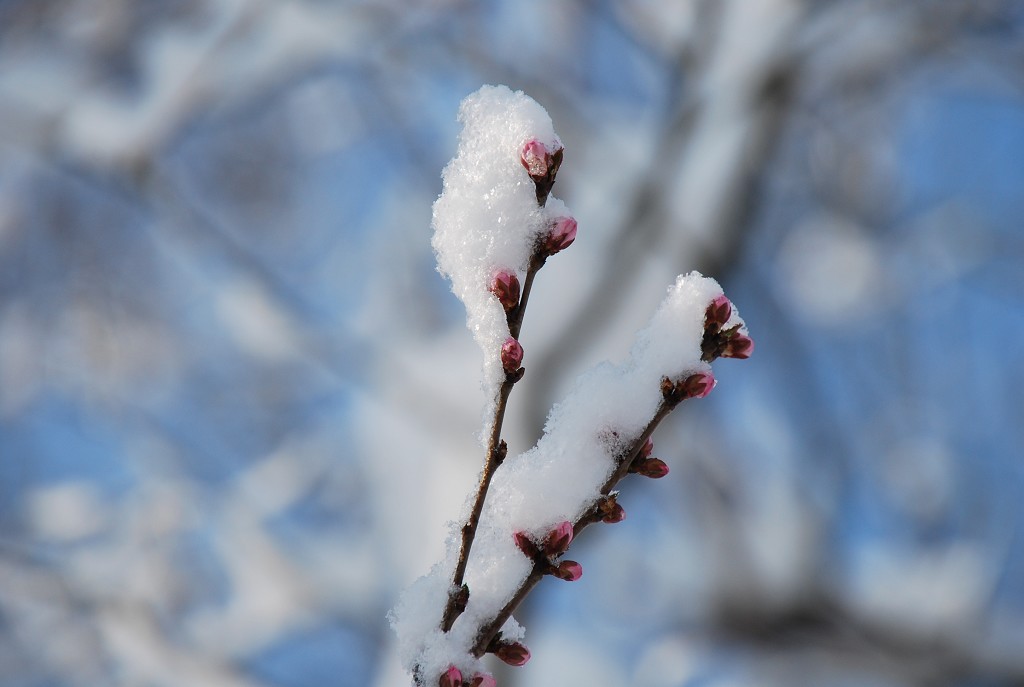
<point>558,539</point>
<point>542,165</point>
<point>718,313</point>
<point>451,678</point>
<point>483,680</point>
<point>647,448</point>
<point>698,385</point>
<point>739,346</point>
<point>570,571</point>
<point>505,285</point>
<point>525,544</point>
<point>535,158</point>
<point>655,468</point>
<point>514,654</point>
<point>561,235</point>
<point>511,355</point>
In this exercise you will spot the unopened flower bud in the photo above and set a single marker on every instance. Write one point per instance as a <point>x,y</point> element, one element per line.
<point>511,355</point>
<point>647,448</point>
<point>561,235</point>
<point>525,544</point>
<point>570,571</point>
<point>483,680</point>
<point>558,539</point>
<point>739,346</point>
<point>514,654</point>
<point>655,468</point>
<point>451,678</point>
<point>718,313</point>
<point>535,158</point>
<point>698,385</point>
<point>614,513</point>
<point>505,285</point>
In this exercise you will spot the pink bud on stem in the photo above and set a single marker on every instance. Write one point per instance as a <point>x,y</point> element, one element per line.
<point>511,355</point>
<point>570,571</point>
<point>718,313</point>
<point>655,468</point>
<point>535,158</point>
<point>613,513</point>
<point>558,539</point>
<point>505,285</point>
<point>451,678</point>
<point>739,346</point>
<point>514,654</point>
<point>525,544</point>
<point>698,385</point>
<point>647,448</point>
<point>560,236</point>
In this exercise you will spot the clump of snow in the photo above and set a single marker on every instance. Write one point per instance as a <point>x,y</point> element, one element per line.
<point>487,217</point>
<point>558,480</point>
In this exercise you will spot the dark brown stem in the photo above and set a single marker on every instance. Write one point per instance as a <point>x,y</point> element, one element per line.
<point>486,634</point>
<point>496,450</point>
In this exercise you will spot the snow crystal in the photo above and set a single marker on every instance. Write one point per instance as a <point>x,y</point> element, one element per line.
<point>487,217</point>
<point>559,479</point>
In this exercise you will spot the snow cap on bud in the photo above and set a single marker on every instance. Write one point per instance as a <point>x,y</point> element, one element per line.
<point>561,236</point>
<point>558,539</point>
<point>514,654</point>
<point>511,355</point>
<point>570,571</point>
<point>739,346</point>
<point>535,158</point>
<point>647,448</point>
<point>655,468</point>
<point>483,680</point>
<point>505,285</point>
<point>718,312</point>
<point>699,385</point>
<point>451,678</point>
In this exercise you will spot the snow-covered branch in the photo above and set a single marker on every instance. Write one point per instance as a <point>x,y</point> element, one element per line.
<point>494,218</point>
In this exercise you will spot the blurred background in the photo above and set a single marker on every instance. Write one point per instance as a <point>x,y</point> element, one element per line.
<point>238,405</point>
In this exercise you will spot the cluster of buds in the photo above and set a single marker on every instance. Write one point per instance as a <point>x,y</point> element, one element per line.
<point>718,341</point>
<point>646,465</point>
<point>453,678</point>
<point>554,544</point>
<point>542,165</point>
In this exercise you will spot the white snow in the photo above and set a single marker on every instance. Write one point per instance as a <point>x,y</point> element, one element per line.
<point>487,217</point>
<point>559,479</point>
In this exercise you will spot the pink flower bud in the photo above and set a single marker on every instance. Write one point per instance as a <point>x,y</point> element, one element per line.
<point>561,236</point>
<point>655,468</point>
<point>505,285</point>
<point>739,346</point>
<point>558,539</point>
<point>646,449</point>
<point>570,571</point>
<point>451,678</point>
<point>514,654</point>
<point>511,355</point>
<point>718,312</point>
<point>699,385</point>
<point>535,158</point>
<point>615,513</point>
<point>525,544</point>
<point>483,680</point>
